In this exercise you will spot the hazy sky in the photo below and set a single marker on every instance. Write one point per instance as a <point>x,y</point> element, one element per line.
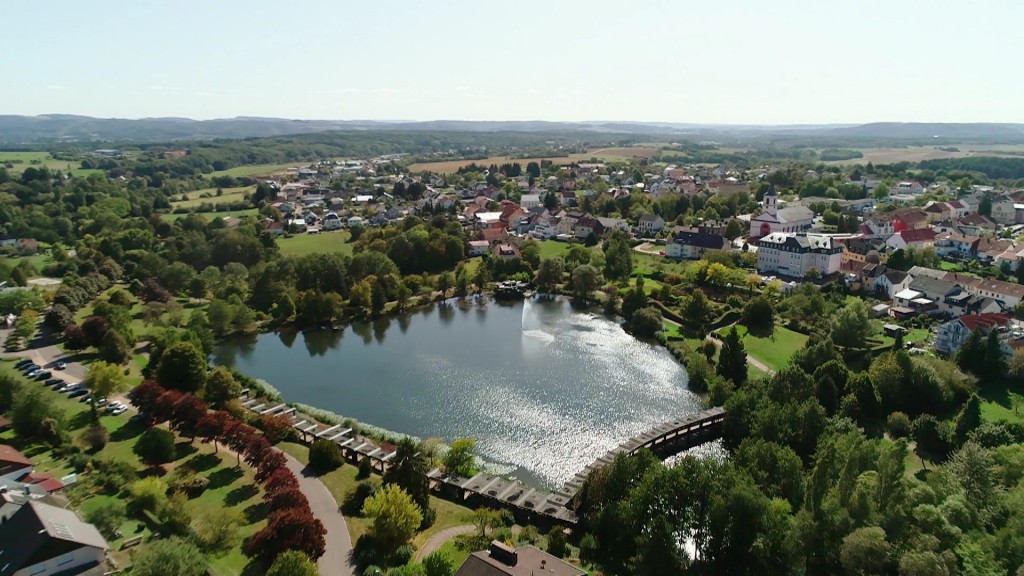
<point>708,61</point>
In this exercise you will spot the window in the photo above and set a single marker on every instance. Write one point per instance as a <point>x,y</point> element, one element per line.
<point>38,569</point>
<point>65,559</point>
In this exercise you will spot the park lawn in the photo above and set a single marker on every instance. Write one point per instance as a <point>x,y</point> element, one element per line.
<point>553,248</point>
<point>997,403</point>
<point>754,373</point>
<point>457,554</point>
<point>324,242</point>
<point>214,215</point>
<point>38,261</point>
<point>773,351</point>
<point>256,170</point>
<point>229,486</point>
<point>209,196</point>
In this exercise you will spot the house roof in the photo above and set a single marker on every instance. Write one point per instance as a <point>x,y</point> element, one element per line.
<point>529,561</point>
<point>10,455</point>
<point>493,234</point>
<point>39,532</point>
<point>652,218</point>
<point>920,236</point>
<point>701,240</point>
<point>911,216</point>
<point>932,286</point>
<point>985,321</point>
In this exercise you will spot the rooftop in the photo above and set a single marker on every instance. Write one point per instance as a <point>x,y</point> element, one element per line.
<point>501,560</point>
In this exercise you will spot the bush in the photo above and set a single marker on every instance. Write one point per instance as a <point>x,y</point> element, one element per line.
<point>80,461</point>
<point>529,534</point>
<point>365,469</point>
<point>95,437</point>
<point>188,482</point>
<point>556,542</point>
<point>107,517</point>
<point>325,456</point>
<point>429,517</point>
<point>353,503</point>
<point>404,554</point>
<point>898,425</point>
<point>275,427</point>
<point>155,446</point>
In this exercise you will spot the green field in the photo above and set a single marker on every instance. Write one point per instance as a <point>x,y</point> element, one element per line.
<point>256,170</point>
<point>773,351</point>
<point>230,486</point>
<point>209,196</point>
<point>553,248</point>
<point>21,160</point>
<point>213,215</point>
<point>302,244</point>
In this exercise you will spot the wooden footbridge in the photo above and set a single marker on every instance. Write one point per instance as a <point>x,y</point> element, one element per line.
<point>529,504</point>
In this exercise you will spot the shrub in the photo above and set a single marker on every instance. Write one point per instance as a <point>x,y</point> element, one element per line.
<point>353,503</point>
<point>95,437</point>
<point>107,517</point>
<point>404,554</point>
<point>80,461</point>
<point>365,469</point>
<point>325,456</point>
<point>898,425</point>
<point>529,534</point>
<point>155,446</point>
<point>148,494</point>
<point>188,482</point>
<point>556,542</point>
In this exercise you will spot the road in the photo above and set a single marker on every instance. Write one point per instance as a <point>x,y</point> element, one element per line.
<point>337,557</point>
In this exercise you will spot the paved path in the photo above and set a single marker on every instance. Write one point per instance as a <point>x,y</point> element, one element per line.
<point>750,359</point>
<point>438,540</point>
<point>336,559</point>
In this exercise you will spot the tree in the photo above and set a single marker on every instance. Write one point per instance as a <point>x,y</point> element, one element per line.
<point>732,360</point>
<point>550,273</point>
<point>697,310</point>
<point>107,516</point>
<point>325,456</point>
<point>291,529</point>
<point>971,355</point>
<point>865,551</point>
<point>994,366</point>
<point>95,437</point>
<point>283,499</point>
<point>585,279</point>
<point>216,528</point>
<point>292,563</point>
<point>759,316</point>
<point>733,229</point>
<point>395,516</point>
<point>284,310</point>
<point>104,380</point>
<point>221,387</point>
<point>556,541</point>
<point>646,322</point>
<point>967,419</point>
<point>30,410</point>
<point>182,367</point>
<point>171,556</point>
<point>618,256</point>
<point>155,446</point>
<point>186,413</point>
<point>851,325</point>
<point>460,458</point>
<point>1015,367</point>
<point>212,426</point>
<point>148,494</point>
<point>438,563</point>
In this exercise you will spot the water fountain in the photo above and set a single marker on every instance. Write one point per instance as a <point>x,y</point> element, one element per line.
<point>532,325</point>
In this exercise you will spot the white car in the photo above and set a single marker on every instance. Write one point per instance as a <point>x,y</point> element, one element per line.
<point>119,410</point>
<point>115,405</point>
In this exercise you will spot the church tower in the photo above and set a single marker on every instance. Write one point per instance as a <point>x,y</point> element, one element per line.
<point>770,198</point>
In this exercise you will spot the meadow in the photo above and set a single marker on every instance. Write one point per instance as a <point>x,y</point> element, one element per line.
<point>209,196</point>
<point>303,244</point>
<point>620,154</point>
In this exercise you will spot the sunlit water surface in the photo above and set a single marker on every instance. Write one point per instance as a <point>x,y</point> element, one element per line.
<point>543,388</point>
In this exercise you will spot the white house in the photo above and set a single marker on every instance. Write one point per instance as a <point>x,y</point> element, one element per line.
<point>794,255</point>
<point>43,539</point>
<point>478,247</point>
<point>528,201</point>
<point>772,219</point>
<point>649,224</point>
<point>694,245</point>
<point>546,228</point>
<point>951,335</point>
<point>332,221</point>
<point>356,221</point>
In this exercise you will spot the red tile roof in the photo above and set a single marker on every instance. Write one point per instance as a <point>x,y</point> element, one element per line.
<point>919,236</point>
<point>8,454</point>
<point>43,480</point>
<point>985,321</point>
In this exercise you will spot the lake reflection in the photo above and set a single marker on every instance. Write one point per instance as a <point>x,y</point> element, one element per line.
<point>545,389</point>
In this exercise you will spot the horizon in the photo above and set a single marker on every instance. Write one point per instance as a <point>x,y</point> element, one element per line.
<point>730,63</point>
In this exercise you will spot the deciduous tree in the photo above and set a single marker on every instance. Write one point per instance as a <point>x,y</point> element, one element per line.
<point>395,515</point>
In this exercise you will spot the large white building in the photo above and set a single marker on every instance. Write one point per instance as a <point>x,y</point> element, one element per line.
<point>792,255</point>
<point>773,219</point>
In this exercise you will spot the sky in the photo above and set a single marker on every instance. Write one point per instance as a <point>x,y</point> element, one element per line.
<point>708,61</point>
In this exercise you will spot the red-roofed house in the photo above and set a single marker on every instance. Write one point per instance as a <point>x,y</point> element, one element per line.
<point>492,235</point>
<point>13,464</point>
<point>918,238</point>
<point>42,480</point>
<point>954,333</point>
<point>913,219</point>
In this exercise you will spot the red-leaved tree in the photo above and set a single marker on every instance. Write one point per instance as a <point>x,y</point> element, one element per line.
<point>186,413</point>
<point>210,427</point>
<point>145,395</point>
<point>289,529</point>
<point>272,462</point>
<point>280,480</point>
<point>163,408</point>
<point>284,499</point>
<point>236,437</point>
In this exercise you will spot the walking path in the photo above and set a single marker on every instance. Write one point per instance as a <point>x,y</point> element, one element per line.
<point>438,540</point>
<point>750,359</point>
<point>338,552</point>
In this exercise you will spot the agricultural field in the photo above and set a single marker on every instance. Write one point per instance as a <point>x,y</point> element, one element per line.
<point>303,244</point>
<point>214,215</point>
<point>209,196</point>
<point>920,153</point>
<point>21,160</point>
<point>257,170</point>
<point>602,154</point>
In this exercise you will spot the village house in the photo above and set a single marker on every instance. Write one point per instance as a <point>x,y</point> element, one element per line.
<point>586,226</point>
<point>478,247</point>
<point>506,251</point>
<point>609,224</point>
<point>40,538</point>
<point>528,201</point>
<point>909,219</point>
<point>503,560</point>
<point>694,245</point>
<point>1007,211</point>
<point>976,225</point>
<point>890,282</point>
<point>649,224</point>
<point>545,228</point>
<point>773,219</point>
<point>877,228</point>
<point>13,464</point>
<point>916,238</point>
<point>951,335</point>
<point>793,255</point>
<point>956,245</point>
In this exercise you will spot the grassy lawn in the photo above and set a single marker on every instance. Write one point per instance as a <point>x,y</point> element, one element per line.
<point>39,261</point>
<point>773,351</point>
<point>229,486</point>
<point>998,403</point>
<point>343,480</point>
<point>256,170</point>
<point>22,160</point>
<point>552,248</point>
<point>209,196</point>
<point>140,325</point>
<point>303,244</point>
<point>214,215</point>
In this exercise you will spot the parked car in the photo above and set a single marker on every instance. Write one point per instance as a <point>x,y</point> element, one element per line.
<point>32,373</point>
<point>43,375</point>
<point>61,365</point>
<point>69,388</point>
<point>53,381</point>
<point>86,398</point>
<point>140,417</point>
<point>77,393</point>
<point>114,406</point>
<point>100,402</point>
<point>119,410</point>
<point>22,363</point>
<point>29,367</point>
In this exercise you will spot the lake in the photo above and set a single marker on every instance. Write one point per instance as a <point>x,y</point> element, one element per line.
<point>545,389</point>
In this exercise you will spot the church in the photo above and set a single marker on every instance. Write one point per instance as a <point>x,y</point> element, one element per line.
<point>772,219</point>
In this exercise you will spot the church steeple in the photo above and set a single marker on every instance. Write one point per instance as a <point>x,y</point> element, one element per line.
<point>770,198</point>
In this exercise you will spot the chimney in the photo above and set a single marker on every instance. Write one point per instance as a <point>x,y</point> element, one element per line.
<point>504,554</point>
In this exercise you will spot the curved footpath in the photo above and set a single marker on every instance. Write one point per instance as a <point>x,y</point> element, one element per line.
<point>338,554</point>
<point>438,540</point>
